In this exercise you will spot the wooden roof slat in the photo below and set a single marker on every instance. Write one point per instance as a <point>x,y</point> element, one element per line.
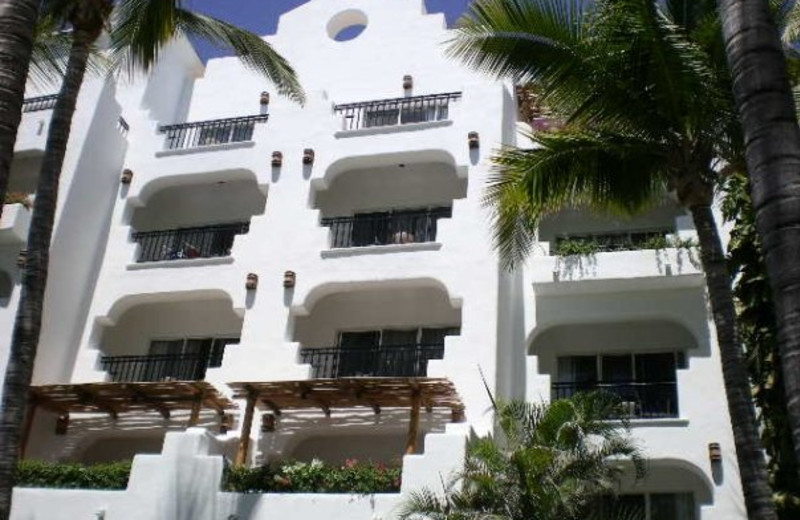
<point>162,397</point>
<point>328,394</point>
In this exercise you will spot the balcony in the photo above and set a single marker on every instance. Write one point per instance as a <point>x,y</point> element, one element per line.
<point>32,131</point>
<point>373,361</point>
<point>386,329</point>
<point>387,202</point>
<point>402,112</point>
<point>168,367</point>
<point>640,400</point>
<point>201,220</point>
<point>35,104</point>
<point>186,243</point>
<point>385,228</point>
<point>210,133</point>
<point>629,240</point>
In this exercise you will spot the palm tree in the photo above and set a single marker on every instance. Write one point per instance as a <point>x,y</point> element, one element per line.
<point>138,29</point>
<point>644,91</point>
<point>17,22</point>
<point>547,462</point>
<point>772,137</point>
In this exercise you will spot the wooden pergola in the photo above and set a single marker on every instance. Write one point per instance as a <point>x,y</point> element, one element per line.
<point>119,398</point>
<point>330,394</point>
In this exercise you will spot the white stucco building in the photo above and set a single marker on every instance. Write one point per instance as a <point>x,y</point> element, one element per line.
<point>360,215</point>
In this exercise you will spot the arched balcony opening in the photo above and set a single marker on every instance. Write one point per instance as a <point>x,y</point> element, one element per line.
<point>671,489</point>
<point>390,201</point>
<point>198,220</point>
<point>169,339</point>
<point>638,361</point>
<point>571,231</point>
<point>377,330</point>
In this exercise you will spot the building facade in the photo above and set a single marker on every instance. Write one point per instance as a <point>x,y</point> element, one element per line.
<point>210,230</point>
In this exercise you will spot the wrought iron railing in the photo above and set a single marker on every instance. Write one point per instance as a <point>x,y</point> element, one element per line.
<point>378,229</point>
<point>207,133</point>
<point>647,400</point>
<point>610,242</point>
<point>397,111</point>
<point>163,367</point>
<point>195,242</point>
<point>35,104</point>
<point>123,126</point>
<point>376,361</point>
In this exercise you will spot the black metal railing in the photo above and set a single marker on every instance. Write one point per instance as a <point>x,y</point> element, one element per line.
<point>397,111</point>
<point>178,367</point>
<point>123,126</point>
<point>35,104</point>
<point>646,400</point>
<point>376,361</point>
<point>207,133</point>
<point>195,242</point>
<point>611,242</point>
<point>378,229</point>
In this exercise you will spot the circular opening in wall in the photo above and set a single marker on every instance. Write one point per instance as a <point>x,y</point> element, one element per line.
<point>347,25</point>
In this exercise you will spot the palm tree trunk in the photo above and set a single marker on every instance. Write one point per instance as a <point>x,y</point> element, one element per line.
<point>749,455</point>
<point>772,140</point>
<point>29,315</point>
<point>17,23</point>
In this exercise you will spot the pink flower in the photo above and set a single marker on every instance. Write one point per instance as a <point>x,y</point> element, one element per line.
<point>350,463</point>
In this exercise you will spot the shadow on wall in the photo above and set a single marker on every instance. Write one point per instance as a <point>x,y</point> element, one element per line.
<point>355,434</point>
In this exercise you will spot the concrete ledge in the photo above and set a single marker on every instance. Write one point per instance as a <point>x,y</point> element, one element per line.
<point>207,148</point>
<point>409,127</point>
<point>380,250</point>
<point>666,421</point>
<point>184,262</point>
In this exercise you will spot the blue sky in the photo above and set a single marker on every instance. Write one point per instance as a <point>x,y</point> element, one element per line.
<point>261,16</point>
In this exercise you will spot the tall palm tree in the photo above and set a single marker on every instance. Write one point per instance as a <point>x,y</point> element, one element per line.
<point>17,22</point>
<point>772,138</point>
<point>548,461</point>
<point>138,29</point>
<point>645,93</point>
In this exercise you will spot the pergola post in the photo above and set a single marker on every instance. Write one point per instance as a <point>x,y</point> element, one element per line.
<point>197,406</point>
<point>247,425</point>
<point>413,424</point>
<point>27,426</point>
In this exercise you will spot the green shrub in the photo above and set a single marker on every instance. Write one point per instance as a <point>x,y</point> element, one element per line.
<point>576,247</point>
<point>314,477</point>
<point>35,473</point>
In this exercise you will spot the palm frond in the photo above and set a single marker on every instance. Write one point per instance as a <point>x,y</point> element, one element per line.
<point>254,52</point>
<point>141,29</point>
<point>51,48</point>
<point>612,173</point>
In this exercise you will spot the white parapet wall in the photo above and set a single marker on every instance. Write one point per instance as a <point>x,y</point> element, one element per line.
<point>184,482</point>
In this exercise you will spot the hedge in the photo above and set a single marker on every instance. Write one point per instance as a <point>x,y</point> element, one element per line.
<point>69,475</point>
<point>314,477</point>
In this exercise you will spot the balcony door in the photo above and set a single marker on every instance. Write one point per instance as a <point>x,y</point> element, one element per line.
<point>645,383</point>
<point>390,352</point>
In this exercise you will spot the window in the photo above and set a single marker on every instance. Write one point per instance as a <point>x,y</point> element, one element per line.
<point>645,383</point>
<point>651,506</point>
<point>386,227</point>
<point>186,359</point>
<point>391,352</point>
